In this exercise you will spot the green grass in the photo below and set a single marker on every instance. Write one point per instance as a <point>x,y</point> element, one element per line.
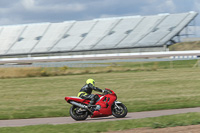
<point>185,46</point>
<point>139,90</point>
<point>157,122</point>
<point>160,65</point>
<point>113,67</point>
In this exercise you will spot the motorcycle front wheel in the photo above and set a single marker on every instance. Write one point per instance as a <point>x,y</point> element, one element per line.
<point>119,110</point>
<point>78,113</point>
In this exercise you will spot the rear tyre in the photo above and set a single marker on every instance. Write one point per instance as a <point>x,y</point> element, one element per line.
<point>119,111</point>
<point>78,114</point>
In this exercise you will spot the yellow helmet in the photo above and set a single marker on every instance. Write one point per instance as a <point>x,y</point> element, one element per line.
<point>90,81</point>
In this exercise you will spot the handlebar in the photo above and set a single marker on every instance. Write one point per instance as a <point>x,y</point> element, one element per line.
<point>107,91</point>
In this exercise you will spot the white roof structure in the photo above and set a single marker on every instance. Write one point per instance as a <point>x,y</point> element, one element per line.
<point>98,34</point>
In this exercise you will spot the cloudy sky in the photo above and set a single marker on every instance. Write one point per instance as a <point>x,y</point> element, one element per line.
<point>35,11</point>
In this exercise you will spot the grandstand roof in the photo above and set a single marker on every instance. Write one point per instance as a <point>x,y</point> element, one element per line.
<point>97,34</point>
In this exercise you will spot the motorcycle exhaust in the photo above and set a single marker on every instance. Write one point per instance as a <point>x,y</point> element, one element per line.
<point>81,106</point>
<point>78,104</point>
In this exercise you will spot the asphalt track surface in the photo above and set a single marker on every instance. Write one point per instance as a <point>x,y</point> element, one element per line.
<point>69,120</point>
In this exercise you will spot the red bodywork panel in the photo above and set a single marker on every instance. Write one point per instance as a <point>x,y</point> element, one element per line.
<point>77,99</point>
<point>105,101</point>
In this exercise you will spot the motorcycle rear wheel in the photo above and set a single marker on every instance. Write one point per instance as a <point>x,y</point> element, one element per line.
<point>120,111</point>
<point>78,115</point>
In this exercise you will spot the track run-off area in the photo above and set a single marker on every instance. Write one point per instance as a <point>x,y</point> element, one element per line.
<point>69,120</point>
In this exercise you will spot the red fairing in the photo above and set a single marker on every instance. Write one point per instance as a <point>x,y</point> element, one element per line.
<point>77,99</point>
<point>106,103</point>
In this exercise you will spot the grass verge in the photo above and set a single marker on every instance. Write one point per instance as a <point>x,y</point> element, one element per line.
<point>139,91</point>
<point>157,122</point>
<point>157,86</point>
<point>185,46</point>
<point>113,67</point>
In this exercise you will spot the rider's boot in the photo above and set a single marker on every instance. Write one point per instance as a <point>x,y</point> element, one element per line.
<point>91,103</point>
<point>91,106</point>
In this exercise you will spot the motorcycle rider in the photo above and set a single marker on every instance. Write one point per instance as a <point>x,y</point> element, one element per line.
<point>86,92</point>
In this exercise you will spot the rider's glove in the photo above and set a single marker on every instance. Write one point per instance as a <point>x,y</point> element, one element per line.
<point>105,92</point>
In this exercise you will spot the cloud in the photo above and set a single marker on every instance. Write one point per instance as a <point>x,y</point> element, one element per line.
<point>10,20</point>
<point>34,11</point>
<point>36,6</point>
<point>197,5</point>
<point>28,4</point>
<point>166,6</point>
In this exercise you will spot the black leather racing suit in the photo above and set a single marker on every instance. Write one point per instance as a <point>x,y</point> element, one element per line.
<point>86,93</point>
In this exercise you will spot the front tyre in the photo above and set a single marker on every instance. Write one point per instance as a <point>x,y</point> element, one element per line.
<point>119,110</point>
<point>78,113</point>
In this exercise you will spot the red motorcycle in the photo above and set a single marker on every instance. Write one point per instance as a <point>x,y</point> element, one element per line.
<point>105,106</point>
